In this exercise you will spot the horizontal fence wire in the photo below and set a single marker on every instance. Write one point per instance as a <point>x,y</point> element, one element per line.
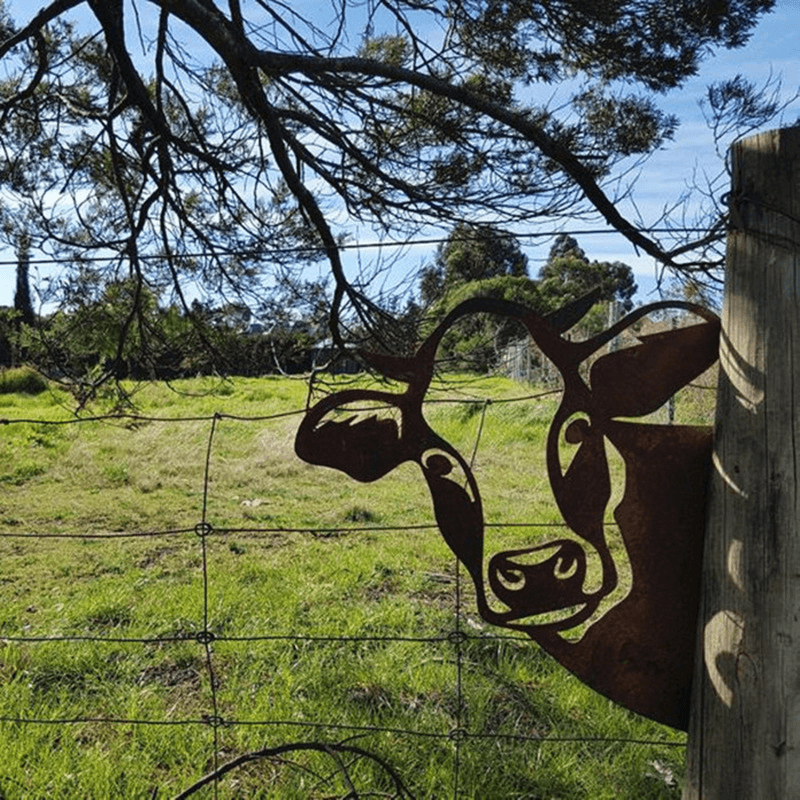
<point>454,643</point>
<point>350,246</point>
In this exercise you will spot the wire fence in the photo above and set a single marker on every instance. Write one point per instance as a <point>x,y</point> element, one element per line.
<point>219,620</point>
<point>430,241</point>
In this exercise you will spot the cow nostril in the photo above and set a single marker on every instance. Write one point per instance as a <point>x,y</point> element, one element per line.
<point>511,578</point>
<point>566,567</point>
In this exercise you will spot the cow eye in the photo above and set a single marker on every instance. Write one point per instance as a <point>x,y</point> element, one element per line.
<point>574,432</point>
<point>439,464</point>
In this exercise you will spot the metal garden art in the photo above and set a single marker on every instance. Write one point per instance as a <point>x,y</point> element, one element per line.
<point>629,633</point>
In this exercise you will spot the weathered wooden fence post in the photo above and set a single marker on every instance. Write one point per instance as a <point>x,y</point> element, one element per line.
<point>744,736</point>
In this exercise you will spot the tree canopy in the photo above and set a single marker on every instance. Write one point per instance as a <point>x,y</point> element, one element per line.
<point>196,145</point>
<point>568,274</point>
<point>475,261</point>
<point>483,261</point>
<point>471,253</point>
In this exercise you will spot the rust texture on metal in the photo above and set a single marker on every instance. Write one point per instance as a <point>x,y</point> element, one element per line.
<point>628,633</point>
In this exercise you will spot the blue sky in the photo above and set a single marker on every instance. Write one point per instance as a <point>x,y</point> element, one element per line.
<point>772,51</point>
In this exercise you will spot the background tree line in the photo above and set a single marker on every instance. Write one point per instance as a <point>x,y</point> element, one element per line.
<point>81,342</point>
<point>289,332</point>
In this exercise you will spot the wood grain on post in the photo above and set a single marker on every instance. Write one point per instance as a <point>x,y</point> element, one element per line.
<point>744,735</point>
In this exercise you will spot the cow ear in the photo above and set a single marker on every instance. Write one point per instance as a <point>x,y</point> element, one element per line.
<point>365,444</point>
<point>638,380</point>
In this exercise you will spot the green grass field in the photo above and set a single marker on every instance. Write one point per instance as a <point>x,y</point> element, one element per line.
<point>137,655</point>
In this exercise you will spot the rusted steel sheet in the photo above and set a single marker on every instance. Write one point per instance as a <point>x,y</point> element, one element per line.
<point>636,649</point>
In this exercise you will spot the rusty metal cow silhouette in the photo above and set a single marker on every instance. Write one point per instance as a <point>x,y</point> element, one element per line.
<point>638,649</point>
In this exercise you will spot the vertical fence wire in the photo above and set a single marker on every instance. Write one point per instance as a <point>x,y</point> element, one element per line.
<point>459,734</point>
<point>207,637</point>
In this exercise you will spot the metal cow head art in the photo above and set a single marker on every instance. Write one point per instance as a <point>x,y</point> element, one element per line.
<point>635,646</point>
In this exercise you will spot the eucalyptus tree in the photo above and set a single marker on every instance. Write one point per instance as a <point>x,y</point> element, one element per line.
<point>568,274</point>
<point>475,260</point>
<point>201,143</point>
<point>471,253</point>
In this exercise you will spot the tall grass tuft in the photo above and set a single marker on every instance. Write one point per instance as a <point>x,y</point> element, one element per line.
<point>22,380</point>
